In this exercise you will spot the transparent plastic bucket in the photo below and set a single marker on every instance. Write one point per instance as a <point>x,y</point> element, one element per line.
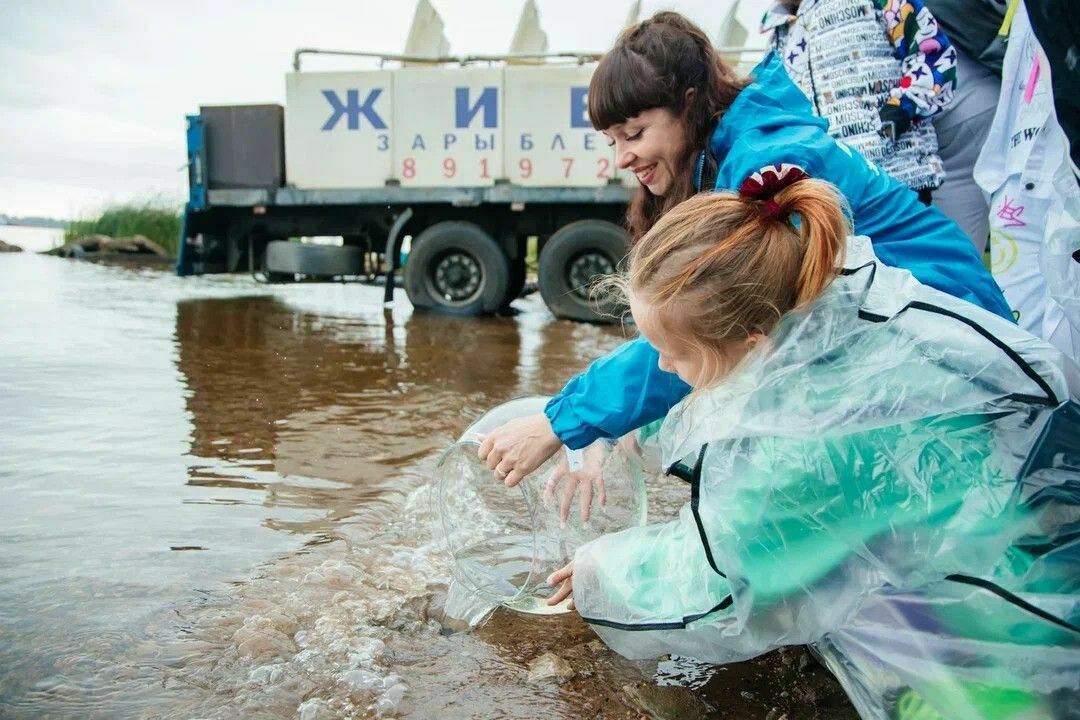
<point>505,542</point>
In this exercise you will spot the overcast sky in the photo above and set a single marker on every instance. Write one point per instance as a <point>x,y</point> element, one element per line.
<point>93,94</point>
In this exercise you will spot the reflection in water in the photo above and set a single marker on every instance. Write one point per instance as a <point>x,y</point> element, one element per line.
<point>332,405</point>
<point>271,383</point>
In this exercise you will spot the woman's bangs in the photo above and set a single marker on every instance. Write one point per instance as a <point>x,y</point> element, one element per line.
<point>623,85</point>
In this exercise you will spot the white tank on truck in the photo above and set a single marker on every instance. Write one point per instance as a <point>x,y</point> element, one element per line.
<point>468,156</point>
<point>463,126</point>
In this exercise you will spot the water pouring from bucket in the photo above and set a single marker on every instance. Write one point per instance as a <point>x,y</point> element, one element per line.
<point>505,542</point>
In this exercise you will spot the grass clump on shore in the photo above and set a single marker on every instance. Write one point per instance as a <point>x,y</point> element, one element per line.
<point>158,222</point>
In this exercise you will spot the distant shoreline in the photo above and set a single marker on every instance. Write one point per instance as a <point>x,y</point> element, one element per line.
<point>27,222</point>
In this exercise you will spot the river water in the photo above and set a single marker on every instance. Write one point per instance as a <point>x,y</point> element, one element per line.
<point>214,504</point>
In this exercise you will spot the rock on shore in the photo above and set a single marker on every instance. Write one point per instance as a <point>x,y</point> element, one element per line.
<point>137,250</point>
<point>8,247</point>
<point>104,245</point>
<point>564,652</point>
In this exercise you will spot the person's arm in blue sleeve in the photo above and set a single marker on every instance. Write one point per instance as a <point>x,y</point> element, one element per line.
<point>621,391</point>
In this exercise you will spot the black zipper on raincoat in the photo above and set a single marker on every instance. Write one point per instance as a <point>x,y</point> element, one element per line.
<point>694,478</point>
<point>695,499</point>
<point>1012,599</point>
<point>670,625</point>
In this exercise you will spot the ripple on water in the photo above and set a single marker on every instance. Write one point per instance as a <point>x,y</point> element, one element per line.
<point>288,432</point>
<point>342,629</point>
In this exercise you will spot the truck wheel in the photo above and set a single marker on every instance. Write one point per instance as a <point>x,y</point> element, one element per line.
<point>458,269</point>
<point>284,258</point>
<point>572,257</point>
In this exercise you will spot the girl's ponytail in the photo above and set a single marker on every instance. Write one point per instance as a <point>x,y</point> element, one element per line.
<point>815,209</point>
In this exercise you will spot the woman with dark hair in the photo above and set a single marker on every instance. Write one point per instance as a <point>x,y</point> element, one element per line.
<point>663,76</point>
<point>683,121</point>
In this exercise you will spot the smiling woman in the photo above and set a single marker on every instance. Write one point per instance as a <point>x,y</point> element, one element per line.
<point>656,95</point>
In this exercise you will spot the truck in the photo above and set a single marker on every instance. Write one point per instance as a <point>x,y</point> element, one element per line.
<point>461,159</point>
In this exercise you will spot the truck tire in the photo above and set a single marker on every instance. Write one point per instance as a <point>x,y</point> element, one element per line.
<point>284,258</point>
<point>571,259</point>
<point>458,269</point>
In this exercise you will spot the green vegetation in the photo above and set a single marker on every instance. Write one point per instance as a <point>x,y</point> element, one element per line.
<point>157,221</point>
<point>532,260</point>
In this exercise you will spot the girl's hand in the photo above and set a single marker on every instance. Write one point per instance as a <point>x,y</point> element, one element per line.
<point>566,577</point>
<point>519,447</point>
<point>588,482</point>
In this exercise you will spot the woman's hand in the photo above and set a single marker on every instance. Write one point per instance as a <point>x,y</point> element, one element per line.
<point>566,577</point>
<point>519,447</point>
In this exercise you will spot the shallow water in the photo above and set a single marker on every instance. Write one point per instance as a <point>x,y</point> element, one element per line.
<point>213,503</point>
<point>213,491</point>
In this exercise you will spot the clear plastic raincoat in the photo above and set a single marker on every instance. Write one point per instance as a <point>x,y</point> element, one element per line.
<point>894,480</point>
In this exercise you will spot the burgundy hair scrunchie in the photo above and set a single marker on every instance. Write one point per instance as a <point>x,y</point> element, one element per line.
<point>768,181</point>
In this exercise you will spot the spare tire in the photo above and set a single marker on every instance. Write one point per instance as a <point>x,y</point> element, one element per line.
<point>286,259</point>
<point>572,259</point>
<point>458,269</point>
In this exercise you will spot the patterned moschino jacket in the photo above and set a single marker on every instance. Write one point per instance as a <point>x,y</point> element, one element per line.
<point>876,70</point>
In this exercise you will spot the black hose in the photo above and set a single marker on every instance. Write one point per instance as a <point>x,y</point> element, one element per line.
<point>392,250</point>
